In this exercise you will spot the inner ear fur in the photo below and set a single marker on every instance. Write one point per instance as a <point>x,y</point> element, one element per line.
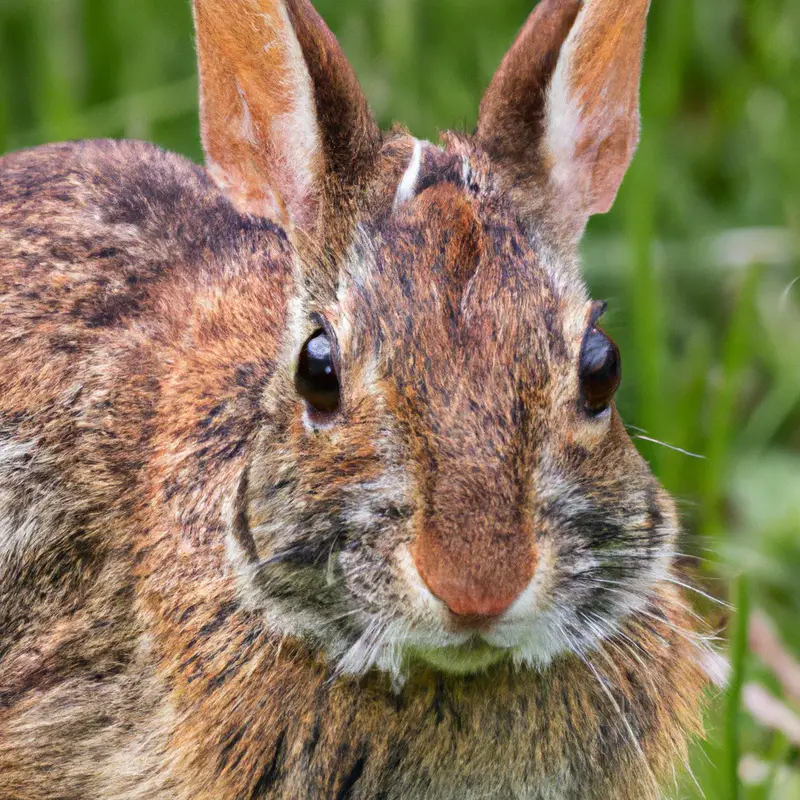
<point>561,116</point>
<point>286,128</point>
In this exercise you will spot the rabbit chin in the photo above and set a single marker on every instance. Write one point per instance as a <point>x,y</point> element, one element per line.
<point>465,659</point>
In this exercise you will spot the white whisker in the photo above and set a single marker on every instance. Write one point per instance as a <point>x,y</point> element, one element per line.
<point>690,588</point>
<point>621,713</point>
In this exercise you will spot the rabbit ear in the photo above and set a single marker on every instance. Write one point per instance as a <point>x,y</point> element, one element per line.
<point>561,116</point>
<point>286,127</point>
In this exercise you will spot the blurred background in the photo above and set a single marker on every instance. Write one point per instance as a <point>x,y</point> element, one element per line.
<point>699,260</point>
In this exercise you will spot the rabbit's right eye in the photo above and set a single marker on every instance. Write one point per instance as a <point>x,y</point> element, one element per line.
<point>600,371</point>
<point>316,380</point>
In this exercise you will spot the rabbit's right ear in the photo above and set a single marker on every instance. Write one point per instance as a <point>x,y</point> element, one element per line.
<point>286,127</point>
<point>561,116</point>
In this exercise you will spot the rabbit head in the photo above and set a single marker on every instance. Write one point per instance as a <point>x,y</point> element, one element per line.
<point>441,475</point>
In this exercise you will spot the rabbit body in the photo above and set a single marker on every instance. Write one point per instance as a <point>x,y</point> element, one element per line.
<point>207,587</point>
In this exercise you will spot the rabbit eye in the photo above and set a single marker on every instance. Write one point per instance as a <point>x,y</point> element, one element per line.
<point>316,379</point>
<point>600,371</point>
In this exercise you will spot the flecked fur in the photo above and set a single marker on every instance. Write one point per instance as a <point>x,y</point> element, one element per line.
<point>204,593</point>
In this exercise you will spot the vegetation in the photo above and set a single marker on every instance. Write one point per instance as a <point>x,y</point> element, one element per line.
<point>700,258</point>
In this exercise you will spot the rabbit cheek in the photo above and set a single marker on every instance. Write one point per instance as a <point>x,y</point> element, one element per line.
<point>612,528</point>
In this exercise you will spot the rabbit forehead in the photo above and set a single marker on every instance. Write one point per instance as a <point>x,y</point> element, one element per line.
<point>450,272</point>
<point>440,231</point>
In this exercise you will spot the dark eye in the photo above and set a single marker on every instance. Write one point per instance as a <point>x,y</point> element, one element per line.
<point>316,379</point>
<point>600,371</point>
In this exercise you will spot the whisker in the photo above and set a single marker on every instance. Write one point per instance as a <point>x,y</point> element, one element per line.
<point>619,639</point>
<point>693,637</point>
<point>673,447</point>
<point>694,556</point>
<point>688,635</point>
<point>634,741</point>
<point>344,615</point>
<point>645,596</point>
<point>690,588</point>
<point>282,557</point>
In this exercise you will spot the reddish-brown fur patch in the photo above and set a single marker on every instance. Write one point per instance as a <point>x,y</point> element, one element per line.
<point>149,326</point>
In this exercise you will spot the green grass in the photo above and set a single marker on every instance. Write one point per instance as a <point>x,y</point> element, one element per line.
<point>733,705</point>
<point>697,259</point>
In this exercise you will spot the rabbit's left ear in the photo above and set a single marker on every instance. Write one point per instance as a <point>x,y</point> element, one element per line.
<point>286,128</point>
<point>561,116</point>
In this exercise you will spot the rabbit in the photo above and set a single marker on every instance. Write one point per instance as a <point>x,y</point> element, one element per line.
<point>312,483</point>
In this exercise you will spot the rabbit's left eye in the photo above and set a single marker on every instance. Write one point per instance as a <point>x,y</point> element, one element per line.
<point>600,371</point>
<point>316,380</point>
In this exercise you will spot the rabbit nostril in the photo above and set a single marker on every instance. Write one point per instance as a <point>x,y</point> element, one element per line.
<point>471,607</point>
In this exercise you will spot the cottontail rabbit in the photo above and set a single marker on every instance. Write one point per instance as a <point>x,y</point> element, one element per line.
<point>311,480</point>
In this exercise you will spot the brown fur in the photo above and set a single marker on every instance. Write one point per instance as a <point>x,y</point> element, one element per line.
<point>204,592</point>
<point>598,47</point>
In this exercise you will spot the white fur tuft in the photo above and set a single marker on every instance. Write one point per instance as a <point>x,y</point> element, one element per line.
<point>405,191</point>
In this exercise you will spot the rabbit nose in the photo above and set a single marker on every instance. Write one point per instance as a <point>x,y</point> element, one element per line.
<point>472,609</point>
<point>479,583</point>
<point>471,604</point>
